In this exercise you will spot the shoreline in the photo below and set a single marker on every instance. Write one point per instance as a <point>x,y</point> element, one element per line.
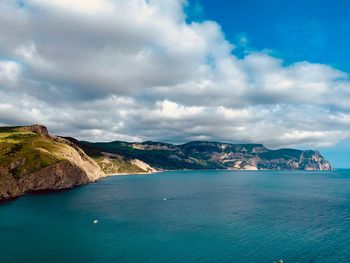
<point>48,191</point>
<point>237,170</point>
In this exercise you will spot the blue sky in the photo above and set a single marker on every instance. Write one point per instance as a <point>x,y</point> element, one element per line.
<point>271,72</point>
<point>311,30</point>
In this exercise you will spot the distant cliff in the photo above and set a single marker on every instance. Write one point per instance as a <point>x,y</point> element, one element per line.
<point>213,155</point>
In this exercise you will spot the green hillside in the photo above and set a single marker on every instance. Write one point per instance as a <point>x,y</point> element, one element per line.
<point>25,152</point>
<point>32,160</point>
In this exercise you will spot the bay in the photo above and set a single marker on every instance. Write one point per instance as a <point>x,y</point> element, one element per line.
<point>185,216</point>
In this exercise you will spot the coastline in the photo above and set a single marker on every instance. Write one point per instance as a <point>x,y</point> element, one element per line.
<point>46,191</point>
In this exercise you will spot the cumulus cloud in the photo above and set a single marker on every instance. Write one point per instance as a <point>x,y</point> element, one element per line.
<point>137,70</point>
<point>9,71</point>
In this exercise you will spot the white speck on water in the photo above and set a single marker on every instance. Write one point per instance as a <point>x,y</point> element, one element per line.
<point>164,199</point>
<point>95,222</point>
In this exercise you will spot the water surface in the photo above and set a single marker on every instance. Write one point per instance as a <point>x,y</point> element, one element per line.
<point>188,216</point>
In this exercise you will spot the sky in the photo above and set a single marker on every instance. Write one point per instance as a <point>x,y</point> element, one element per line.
<point>271,72</point>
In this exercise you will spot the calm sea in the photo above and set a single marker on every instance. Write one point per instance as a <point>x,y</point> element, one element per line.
<point>188,216</point>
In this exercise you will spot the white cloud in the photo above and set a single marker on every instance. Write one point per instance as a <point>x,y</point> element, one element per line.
<point>171,110</point>
<point>136,70</point>
<point>9,71</point>
<point>78,6</point>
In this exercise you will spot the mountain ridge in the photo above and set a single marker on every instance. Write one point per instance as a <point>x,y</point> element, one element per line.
<point>214,155</point>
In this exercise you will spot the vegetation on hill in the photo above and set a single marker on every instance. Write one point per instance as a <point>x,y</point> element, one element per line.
<point>212,155</point>
<point>112,163</point>
<point>32,160</point>
<point>25,152</point>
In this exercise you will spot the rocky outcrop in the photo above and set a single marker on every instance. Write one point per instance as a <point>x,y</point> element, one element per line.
<point>143,166</point>
<point>77,157</point>
<point>58,176</point>
<point>55,177</point>
<point>9,187</point>
<point>36,128</point>
<point>42,163</point>
<point>113,164</point>
<point>313,160</point>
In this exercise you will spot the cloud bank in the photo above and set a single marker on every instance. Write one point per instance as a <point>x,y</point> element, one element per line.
<point>137,70</point>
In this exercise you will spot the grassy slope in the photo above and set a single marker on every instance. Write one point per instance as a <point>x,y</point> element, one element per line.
<point>156,158</point>
<point>109,165</point>
<point>35,150</point>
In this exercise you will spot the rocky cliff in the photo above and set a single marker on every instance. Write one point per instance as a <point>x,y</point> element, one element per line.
<point>32,160</point>
<point>114,164</point>
<point>214,155</point>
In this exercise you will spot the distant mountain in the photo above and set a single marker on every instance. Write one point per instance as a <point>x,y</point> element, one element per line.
<point>33,160</point>
<point>212,155</point>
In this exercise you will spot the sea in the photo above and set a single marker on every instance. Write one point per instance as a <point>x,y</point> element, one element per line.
<point>185,216</point>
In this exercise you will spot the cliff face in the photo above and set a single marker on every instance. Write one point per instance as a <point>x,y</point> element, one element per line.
<point>32,160</point>
<point>313,160</point>
<point>116,164</point>
<point>215,155</point>
<point>113,164</point>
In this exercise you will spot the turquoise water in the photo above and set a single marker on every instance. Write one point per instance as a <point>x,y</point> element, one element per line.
<point>208,216</point>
